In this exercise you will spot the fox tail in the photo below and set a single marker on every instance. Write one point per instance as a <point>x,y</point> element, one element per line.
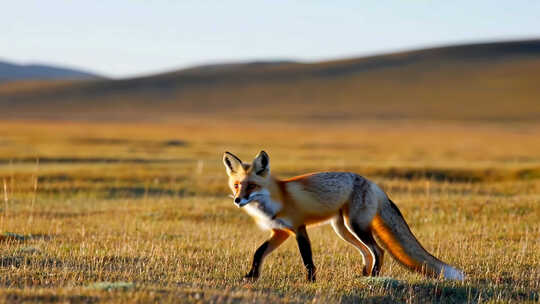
<point>390,227</point>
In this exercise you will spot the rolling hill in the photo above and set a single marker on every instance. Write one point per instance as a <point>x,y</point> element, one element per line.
<point>15,72</point>
<point>475,82</point>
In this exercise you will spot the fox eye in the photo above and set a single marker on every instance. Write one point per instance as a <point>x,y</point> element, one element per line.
<point>235,186</point>
<point>251,186</point>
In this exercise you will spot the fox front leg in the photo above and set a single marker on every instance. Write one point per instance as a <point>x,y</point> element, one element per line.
<point>276,238</point>
<point>305,251</point>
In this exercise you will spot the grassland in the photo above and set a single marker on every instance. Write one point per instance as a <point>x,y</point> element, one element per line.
<point>139,212</point>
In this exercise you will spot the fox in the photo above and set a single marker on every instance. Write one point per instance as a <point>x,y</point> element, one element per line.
<point>357,209</point>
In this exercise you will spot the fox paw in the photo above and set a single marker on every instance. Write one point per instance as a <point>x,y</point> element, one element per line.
<point>250,278</point>
<point>310,277</point>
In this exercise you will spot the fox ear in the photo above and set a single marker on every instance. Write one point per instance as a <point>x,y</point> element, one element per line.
<point>232,163</point>
<point>261,164</point>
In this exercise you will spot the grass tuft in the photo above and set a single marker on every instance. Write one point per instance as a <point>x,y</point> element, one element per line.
<point>111,286</point>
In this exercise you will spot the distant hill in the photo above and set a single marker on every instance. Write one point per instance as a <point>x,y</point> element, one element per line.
<point>232,67</point>
<point>12,72</point>
<point>475,82</point>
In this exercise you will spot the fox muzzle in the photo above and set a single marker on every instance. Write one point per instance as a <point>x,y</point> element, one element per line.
<point>241,202</point>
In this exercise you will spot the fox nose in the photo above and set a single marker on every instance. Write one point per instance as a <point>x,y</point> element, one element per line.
<point>237,200</point>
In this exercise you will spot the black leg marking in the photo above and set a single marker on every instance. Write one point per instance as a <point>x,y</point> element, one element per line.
<point>257,259</point>
<point>367,238</point>
<point>365,271</point>
<point>276,239</point>
<point>305,250</point>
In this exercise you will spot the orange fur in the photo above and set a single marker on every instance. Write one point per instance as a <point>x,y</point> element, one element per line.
<point>390,242</point>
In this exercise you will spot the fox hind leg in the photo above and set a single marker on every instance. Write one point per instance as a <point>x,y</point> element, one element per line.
<point>338,223</point>
<point>358,217</point>
<point>367,238</point>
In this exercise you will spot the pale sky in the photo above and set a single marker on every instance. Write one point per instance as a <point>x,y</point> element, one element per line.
<point>122,38</point>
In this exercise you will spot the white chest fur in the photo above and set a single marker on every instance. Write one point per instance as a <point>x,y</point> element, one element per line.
<point>264,210</point>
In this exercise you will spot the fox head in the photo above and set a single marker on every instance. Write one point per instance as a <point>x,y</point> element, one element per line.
<point>247,180</point>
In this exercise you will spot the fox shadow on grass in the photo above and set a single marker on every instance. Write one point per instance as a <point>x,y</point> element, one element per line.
<point>436,292</point>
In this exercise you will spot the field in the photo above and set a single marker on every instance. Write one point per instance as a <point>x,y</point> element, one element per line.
<point>102,212</point>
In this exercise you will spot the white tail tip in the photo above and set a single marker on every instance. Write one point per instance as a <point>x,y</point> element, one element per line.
<point>452,273</point>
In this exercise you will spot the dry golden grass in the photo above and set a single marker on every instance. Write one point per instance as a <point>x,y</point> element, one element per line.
<point>140,213</point>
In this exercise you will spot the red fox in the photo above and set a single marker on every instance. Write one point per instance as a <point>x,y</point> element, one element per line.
<point>356,208</point>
